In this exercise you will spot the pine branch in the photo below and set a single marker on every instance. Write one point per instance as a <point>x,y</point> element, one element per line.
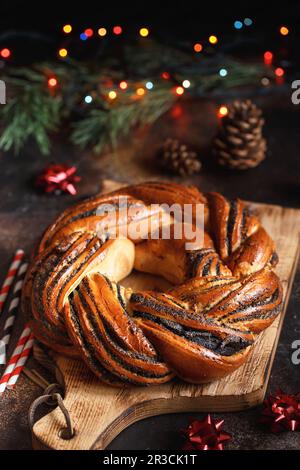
<point>32,112</point>
<point>206,78</point>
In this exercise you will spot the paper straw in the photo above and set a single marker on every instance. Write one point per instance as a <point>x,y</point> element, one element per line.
<point>24,337</point>
<point>20,363</point>
<point>13,309</point>
<point>12,270</point>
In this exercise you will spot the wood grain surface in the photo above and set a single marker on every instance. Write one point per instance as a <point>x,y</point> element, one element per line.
<point>100,412</point>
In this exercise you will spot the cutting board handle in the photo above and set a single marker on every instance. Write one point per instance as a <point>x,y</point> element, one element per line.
<point>99,412</point>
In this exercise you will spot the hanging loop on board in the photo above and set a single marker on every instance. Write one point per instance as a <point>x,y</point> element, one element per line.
<point>51,397</point>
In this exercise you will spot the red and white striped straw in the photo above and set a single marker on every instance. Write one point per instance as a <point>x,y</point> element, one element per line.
<point>24,337</point>
<point>12,311</point>
<point>12,270</point>
<point>20,363</point>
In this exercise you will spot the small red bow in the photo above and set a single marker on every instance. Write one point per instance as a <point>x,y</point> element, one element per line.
<point>58,178</point>
<point>205,434</point>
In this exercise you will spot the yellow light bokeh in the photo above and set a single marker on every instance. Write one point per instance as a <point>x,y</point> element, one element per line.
<point>179,90</point>
<point>112,95</point>
<point>223,111</point>
<point>140,91</point>
<point>52,82</point>
<point>67,28</point>
<point>144,32</point>
<point>123,85</point>
<point>213,39</point>
<point>102,31</point>
<point>284,31</point>
<point>63,52</point>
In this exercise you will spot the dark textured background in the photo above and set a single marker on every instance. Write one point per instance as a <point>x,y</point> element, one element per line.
<point>24,213</point>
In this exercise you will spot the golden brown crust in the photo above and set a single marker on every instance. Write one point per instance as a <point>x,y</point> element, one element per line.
<point>231,223</point>
<point>203,328</point>
<point>109,334</point>
<point>256,252</point>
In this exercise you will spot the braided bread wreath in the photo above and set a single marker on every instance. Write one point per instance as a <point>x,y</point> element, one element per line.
<point>222,296</point>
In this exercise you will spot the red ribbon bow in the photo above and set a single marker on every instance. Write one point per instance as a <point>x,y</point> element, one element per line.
<point>282,412</point>
<point>205,434</point>
<point>58,178</point>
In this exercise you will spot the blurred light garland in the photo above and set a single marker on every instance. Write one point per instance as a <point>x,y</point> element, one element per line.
<point>117,91</point>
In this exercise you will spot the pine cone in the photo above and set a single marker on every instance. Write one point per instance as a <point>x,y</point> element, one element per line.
<point>178,158</point>
<point>239,143</point>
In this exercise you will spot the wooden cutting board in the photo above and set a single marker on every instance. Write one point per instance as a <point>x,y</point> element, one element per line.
<point>100,412</point>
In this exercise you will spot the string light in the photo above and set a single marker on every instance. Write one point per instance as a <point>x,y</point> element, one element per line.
<point>238,24</point>
<point>279,72</point>
<point>112,95</point>
<point>213,39</point>
<point>198,47</point>
<point>67,28</point>
<point>63,52</point>
<point>123,85</point>
<point>102,31</point>
<point>140,91</point>
<point>186,83</point>
<point>222,111</point>
<point>88,99</point>
<point>268,57</point>
<point>5,53</point>
<point>179,90</point>
<point>52,82</point>
<point>117,30</point>
<point>144,32</point>
<point>248,22</point>
<point>165,75</point>
<point>223,72</point>
<point>284,31</point>
<point>149,85</point>
<point>89,32</point>
<point>83,37</point>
